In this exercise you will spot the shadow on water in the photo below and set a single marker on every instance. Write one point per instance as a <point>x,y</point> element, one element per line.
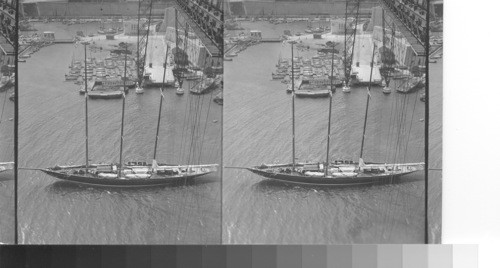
<point>7,175</point>
<point>269,185</point>
<point>65,187</point>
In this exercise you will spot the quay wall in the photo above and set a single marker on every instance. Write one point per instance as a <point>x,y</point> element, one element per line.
<point>88,9</point>
<point>259,8</point>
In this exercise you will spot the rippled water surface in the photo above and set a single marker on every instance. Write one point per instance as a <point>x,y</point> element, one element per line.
<point>7,201</point>
<point>257,129</point>
<point>52,132</point>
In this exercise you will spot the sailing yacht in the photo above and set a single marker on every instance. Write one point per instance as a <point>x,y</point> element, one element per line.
<point>338,172</point>
<point>131,174</point>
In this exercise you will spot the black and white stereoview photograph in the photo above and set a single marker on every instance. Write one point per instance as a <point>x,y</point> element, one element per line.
<point>325,122</point>
<point>120,131</point>
<point>7,123</point>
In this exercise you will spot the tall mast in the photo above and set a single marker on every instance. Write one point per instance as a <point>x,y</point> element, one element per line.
<point>293,115</point>
<point>346,61</point>
<point>161,102</point>
<point>123,111</point>
<point>176,56</point>
<point>383,38</point>
<point>329,115</point>
<point>86,116</point>
<point>384,52</point>
<point>367,102</point>
<point>138,43</point>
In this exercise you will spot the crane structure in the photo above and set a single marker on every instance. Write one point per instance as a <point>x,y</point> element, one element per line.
<point>8,9</point>
<point>202,17</point>
<point>206,19</point>
<point>181,60</point>
<point>143,29</point>
<point>407,18</point>
<point>350,29</point>
<point>387,50</point>
<point>410,17</point>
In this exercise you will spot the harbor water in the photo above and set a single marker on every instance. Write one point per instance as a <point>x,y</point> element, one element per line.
<point>435,149</point>
<point>258,129</point>
<point>52,132</point>
<point>7,201</point>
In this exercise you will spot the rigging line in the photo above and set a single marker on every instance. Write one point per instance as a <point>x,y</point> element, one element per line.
<point>206,123</point>
<point>187,127</point>
<point>402,129</point>
<point>398,124</point>
<point>196,116</point>
<point>191,208</point>
<point>192,141</point>
<point>196,120</point>
<point>200,212</point>
<point>390,213</point>
<point>3,106</point>
<point>193,128</point>
<point>394,125</point>
<point>372,63</point>
<point>388,143</point>
<point>409,131</point>
<point>181,144</point>
<point>399,127</point>
<point>194,109</point>
<point>201,135</point>
<point>390,209</point>
<point>197,123</point>
<point>162,98</point>
<point>403,135</point>
<point>201,139</point>
<point>185,180</point>
<point>187,115</point>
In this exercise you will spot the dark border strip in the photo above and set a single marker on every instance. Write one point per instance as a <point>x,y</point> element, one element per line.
<point>427,100</point>
<point>222,141</point>
<point>16,120</point>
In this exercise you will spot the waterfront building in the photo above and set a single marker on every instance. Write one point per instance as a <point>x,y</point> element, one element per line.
<point>188,42</point>
<point>49,36</point>
<point>326,8</point>
<point>86,8</point>
<point>337,26</point>
<point>256,34</point>
<point>403,51</point>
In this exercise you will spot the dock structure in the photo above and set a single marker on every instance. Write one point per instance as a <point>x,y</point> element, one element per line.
<point>155,74</point>
<point>271,40</point>
<point>86,9</point>
<point>64,41</point>
<point>7,51</point>
<point>363,74</point>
